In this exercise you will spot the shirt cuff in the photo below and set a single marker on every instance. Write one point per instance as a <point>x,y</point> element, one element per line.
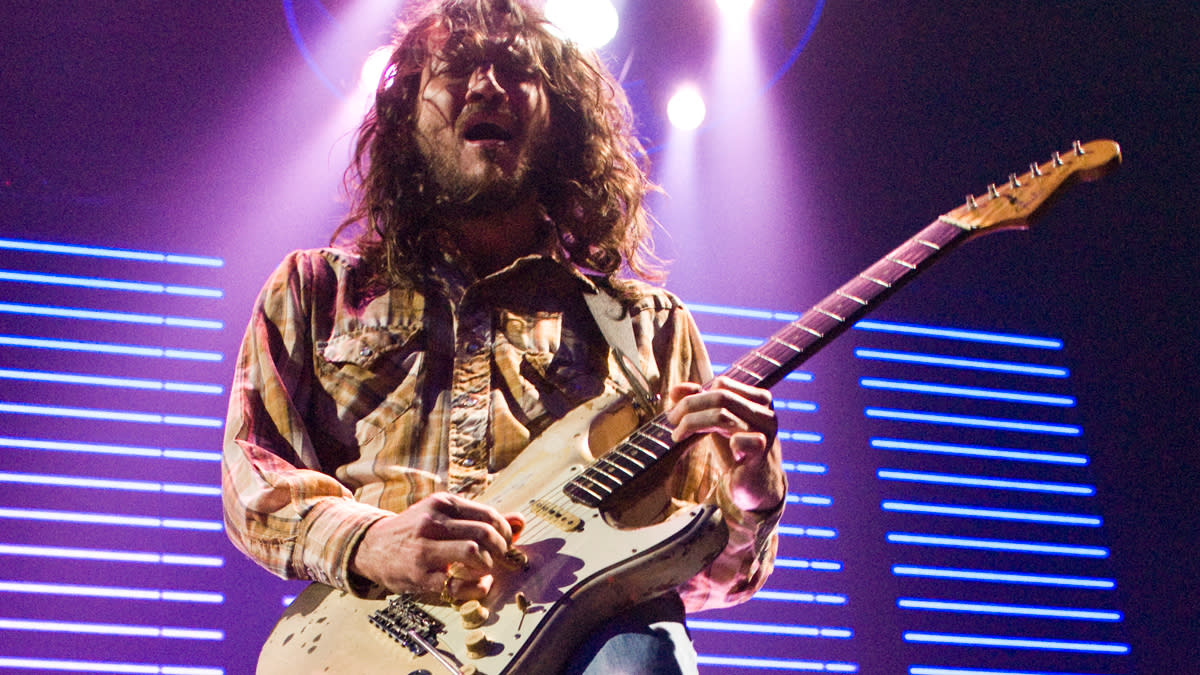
<point>329,535</point>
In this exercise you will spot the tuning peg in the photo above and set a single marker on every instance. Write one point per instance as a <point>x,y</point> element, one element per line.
<point>1058,160</point>
<point>992,191</point>
<point>1078,148</point>
<point>1035,170</point>
<point>1013,182</point>
<point>971,203</point>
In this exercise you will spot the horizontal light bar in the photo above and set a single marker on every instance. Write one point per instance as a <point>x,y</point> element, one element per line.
<point>111,519</point>
<point>801,436</point>
<point>101,449</point>
<point>1003,577</point>
<point>966,392</point>
<point>977,422</point>
<point>111,415</point>
<point>801,597</point>
<point>978,451</point>
<point>109,484</point>
<point>997,545</point>
<point>108,284</point>
<point>937,670</point>
<point>985,482</point>
<point>116,317</point>
<point>111,592</point>
<point>102,252</point>
<point>959,334</point>
<point>799,531</point>
<point>810,500</point>
<point>127,630</point>
<point>734,340</point>
<point>119,382</point>
<point>743,312</point>
<point>818,565</point>
<point>99,555</point>
<point>797,376</point>
<point>992,514</point>
<point>1017,643</point>
<point>960,363</point>
<point>778,664</point>
<point>108,348</point>
<point>770,629</point>
<point>797,406</point>
<point>66,666</point>
<point>797,467</point>
<point>1008,610</point>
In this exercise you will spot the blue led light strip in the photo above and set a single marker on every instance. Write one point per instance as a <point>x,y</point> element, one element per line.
<point>817,565</point>
<point>111,519</point>
<point>798,406</point>
<point>115,317</point>
<point>1009,610</point>
<point>798,467</point>
<point>118,382</point>
<point>71,627</point>
<point>800,436</point>
<point>801,597</point>
<point>960,363</point>
<point>797,376</point>
<point>110,484</point>
<point>997,545</point>
<point>1003,577</point>
<point>810,500</point>
<point>100,449</point>
<point>770,629</point>
<point>939,670</point>
<point>108,348</point>
<point>979,393</point>
<point>799,531</point>
<point>111,592</point>
<point>992,514</point>
<point>117,253</point>
<point>100,555</point>
<point>108,284</point>
<point>985,482</point>
<point>743,312</point>
<point>778,664</point>
<point>959,334</point>
<point>1017,643</point>
<point>978,451</point>
<point>111,415</point>
<point>104,667</point>
<point>976,422</point>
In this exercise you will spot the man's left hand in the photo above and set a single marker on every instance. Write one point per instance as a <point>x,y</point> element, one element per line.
<point>744,415</point>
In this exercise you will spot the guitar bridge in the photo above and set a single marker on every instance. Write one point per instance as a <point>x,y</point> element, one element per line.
<point>402,619</point>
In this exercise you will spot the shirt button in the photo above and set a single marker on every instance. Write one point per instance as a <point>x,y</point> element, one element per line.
<point>364,352</point>
<point>468,462</point>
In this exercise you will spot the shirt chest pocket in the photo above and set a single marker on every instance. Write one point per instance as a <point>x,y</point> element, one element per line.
<point>544,364</point>
<point>371,376</point>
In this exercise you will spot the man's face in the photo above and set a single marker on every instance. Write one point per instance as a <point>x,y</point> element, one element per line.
<point>482,121</point>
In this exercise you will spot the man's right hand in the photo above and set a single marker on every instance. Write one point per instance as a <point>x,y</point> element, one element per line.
<point>442,544</point>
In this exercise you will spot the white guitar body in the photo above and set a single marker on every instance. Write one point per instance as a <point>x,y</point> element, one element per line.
<point>579,573</point>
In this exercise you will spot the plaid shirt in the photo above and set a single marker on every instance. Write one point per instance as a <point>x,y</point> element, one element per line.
<point>351,402</point>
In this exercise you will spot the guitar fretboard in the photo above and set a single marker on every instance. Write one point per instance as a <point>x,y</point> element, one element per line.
<point>770,362</point>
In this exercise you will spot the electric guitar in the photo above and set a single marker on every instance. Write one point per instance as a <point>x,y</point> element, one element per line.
<point>582,560</point>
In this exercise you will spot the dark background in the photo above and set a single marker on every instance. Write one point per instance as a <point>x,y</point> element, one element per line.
<point>151,125</point>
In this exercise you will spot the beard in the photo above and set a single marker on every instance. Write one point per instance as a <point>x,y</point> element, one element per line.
<point>458,194</point>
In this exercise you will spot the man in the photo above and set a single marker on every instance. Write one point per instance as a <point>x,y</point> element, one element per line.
<point>496,185</point>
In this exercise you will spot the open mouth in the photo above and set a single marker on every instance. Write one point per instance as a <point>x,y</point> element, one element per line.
<point>487,131</point>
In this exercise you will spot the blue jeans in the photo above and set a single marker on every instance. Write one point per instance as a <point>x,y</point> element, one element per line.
<point>649,639</point>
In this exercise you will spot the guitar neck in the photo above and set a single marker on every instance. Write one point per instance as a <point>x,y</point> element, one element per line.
<point>782,353</point>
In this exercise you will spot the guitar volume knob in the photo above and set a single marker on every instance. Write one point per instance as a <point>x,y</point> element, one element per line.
<point>473,614</point>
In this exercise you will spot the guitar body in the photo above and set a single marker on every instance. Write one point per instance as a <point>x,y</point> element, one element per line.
<point>582,568</point>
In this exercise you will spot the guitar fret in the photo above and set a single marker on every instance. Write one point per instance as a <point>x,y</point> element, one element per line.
<point>835,317</point>
<point>619,452</point>
<point>902,263</point>
<point>607,461</point>
<point>759,355</point>
<point>739,368</point>
<point>852,297</point>
<point>873,280</point>
<point>806,329</point>
<point>930,244</point>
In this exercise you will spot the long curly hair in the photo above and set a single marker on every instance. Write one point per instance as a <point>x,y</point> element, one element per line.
<point>593,190</point>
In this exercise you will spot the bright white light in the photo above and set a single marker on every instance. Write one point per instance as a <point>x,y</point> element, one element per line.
<point>590,23</point>
<point>372,68</point>
<point>686,109</point>
<point>735,7</point>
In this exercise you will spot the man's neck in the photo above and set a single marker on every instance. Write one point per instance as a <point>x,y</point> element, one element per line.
<point>490,243</point>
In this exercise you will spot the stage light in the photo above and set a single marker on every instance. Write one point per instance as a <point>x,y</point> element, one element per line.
<point>590,23</point>
<point>373,67</point>
<point>735,8</point>
<point>686,109</point>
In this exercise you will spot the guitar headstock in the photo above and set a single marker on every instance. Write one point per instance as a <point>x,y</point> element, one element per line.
<point>1019,200</point>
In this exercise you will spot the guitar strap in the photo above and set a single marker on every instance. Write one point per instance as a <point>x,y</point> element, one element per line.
<point>616,324</point>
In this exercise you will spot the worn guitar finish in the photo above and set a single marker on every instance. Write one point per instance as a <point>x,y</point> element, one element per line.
<point>582,566</point>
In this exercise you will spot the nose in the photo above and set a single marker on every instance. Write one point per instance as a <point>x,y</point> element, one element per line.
<point>485,86</point>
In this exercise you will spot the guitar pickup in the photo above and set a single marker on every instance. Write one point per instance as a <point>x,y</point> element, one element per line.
<point>556,516</point>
